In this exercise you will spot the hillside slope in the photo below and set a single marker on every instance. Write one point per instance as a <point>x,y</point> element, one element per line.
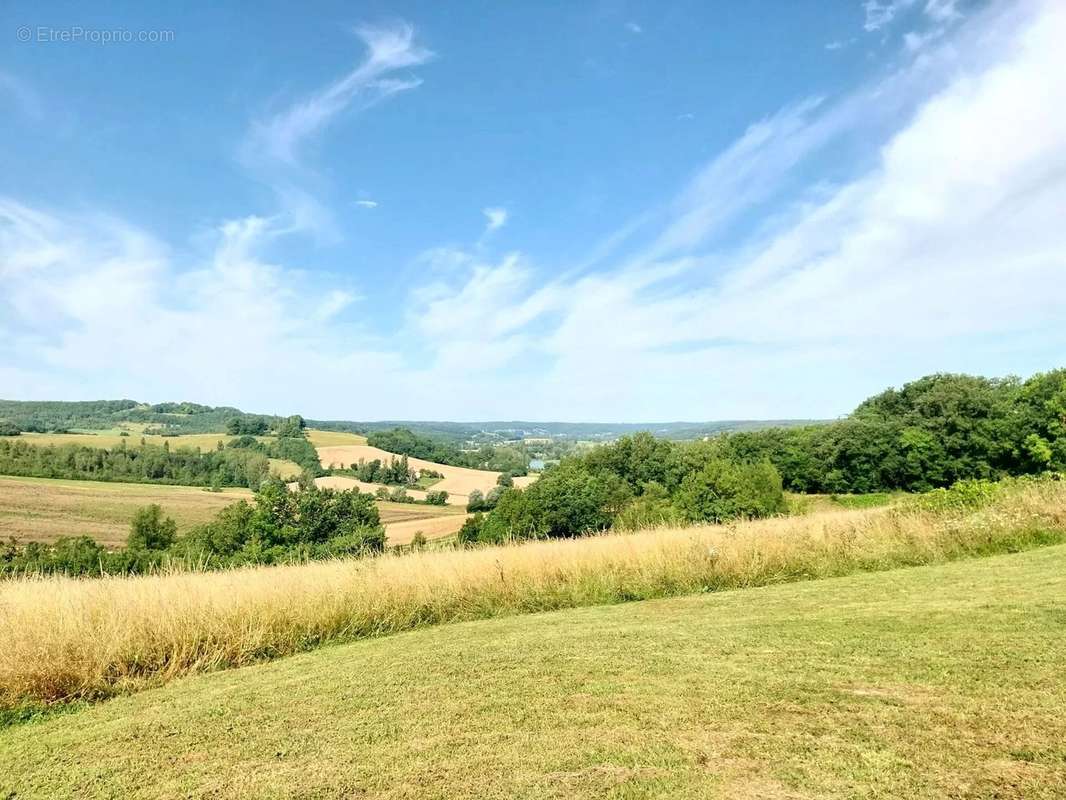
<point>458,482</point>
<point>941,681</point>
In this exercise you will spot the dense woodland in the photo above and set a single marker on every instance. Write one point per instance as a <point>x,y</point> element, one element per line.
<point>932,433</point>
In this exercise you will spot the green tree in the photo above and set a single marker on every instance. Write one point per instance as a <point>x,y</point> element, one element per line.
<point>723,491</point>
<point>151,530</point>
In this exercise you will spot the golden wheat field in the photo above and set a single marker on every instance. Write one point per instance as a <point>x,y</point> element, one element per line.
<point>45,509</point>
<point>64,638</point>
<point>134,432</point>
<point>458,482</point>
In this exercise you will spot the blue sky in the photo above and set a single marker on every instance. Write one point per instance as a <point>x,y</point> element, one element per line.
<point>577,211</point>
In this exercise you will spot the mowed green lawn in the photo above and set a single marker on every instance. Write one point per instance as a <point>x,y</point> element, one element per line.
<point>946,682</point>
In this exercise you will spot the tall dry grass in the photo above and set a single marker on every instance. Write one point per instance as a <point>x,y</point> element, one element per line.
<point>63,638</point>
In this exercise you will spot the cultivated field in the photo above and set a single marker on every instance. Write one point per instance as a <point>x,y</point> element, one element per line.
<point>62,639</point>
<point>458,482</point>
<point>201,441</point>
<point>44,509</point>
<point>113,438</point>
<point>404,520</point>
<point>334,438</point>
<point>922,683</point>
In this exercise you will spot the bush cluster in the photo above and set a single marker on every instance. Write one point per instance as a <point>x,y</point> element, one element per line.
<point>634,482</point>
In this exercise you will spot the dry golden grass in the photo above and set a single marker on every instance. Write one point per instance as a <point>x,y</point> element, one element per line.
<point>928,683</point>
<point>285,469</point>
<point>333,438</point>
<point>62,638</point>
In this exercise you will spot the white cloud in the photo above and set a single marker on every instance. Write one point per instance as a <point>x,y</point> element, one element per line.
<point>274,146</point>
<point>496,218</point>
<point>389,48</point>
<point>333,303</point>
<point>367,203</point>
<point>943,253</point>
<point>880,13</point>
<point>633,27</point>
<point>940,255</point>
<point>942,10</point>
<point>838,44</point>
<point>103,309</point>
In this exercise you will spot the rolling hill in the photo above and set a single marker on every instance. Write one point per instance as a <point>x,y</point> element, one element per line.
<point>927,682</point>
<point>458,482</point>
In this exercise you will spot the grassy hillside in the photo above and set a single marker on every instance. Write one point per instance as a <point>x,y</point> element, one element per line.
<point>63,639</point>
<point>929,682</point>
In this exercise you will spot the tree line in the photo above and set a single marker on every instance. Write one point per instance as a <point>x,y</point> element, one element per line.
<point>933,432</point>
<point>146,463</point>
<point>500,458</point>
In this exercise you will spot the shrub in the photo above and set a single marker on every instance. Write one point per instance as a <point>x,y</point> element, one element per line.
<point>475,501</point>
<point>722,491</point>
<point>470,533</point>
<point>150,530</point>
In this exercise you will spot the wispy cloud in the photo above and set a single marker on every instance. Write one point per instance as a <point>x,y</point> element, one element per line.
<point>389,49</point>
<point>942,10</point>
<point>274,147</point>
<point>633,27</point>
<point>496,218</point>
<point>947,241</point>
<point>367,203</point>
<point>92,300</point>
<point>880,13</point>
<point>935,253</point>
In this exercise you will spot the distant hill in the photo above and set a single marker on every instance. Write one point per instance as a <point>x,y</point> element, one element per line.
<point>519,429</point>
<point>44,416</point>
<point>56,416</point>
